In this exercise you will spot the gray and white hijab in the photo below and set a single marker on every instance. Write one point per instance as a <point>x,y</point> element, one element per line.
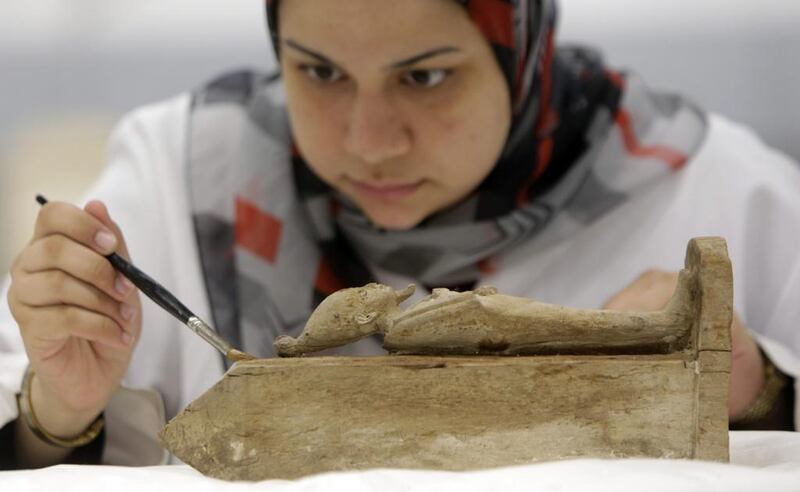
<point>274,240</point>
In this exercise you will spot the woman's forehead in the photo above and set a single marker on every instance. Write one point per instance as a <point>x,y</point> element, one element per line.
<point>371,18</point>
<point>377,28</point>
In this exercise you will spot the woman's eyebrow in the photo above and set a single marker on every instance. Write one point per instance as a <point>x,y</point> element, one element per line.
<point>309,52</point>
<point>443,50</point>
<point>422,56</point>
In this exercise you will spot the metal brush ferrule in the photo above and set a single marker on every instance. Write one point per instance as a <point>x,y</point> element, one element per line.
<point>198,326</point>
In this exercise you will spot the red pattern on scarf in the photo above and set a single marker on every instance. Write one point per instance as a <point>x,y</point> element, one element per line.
<point>495,19</point>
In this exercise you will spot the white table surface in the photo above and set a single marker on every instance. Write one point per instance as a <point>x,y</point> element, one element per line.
<point>760,461</point>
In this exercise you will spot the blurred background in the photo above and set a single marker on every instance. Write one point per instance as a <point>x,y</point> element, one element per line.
<point>70,69</point>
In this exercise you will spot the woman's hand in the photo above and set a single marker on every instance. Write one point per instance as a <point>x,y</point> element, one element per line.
<point>653,289</point>
<point>79,318</point>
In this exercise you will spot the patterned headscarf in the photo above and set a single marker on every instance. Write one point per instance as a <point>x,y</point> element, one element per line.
<point>269,229</point>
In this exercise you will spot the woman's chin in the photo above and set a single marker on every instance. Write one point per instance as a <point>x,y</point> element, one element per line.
<point>393,220</point>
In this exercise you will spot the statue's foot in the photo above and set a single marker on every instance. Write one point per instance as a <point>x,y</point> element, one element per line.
<point>286,346</point>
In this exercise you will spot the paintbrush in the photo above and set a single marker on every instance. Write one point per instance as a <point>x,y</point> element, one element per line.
<point>171,304</point>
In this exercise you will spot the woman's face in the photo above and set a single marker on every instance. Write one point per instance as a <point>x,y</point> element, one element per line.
<point>399,105</point>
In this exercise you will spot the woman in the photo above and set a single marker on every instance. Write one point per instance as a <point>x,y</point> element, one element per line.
<point>443,142</point>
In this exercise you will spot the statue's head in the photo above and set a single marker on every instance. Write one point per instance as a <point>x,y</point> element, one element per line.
<point>346,316</point>
<point>370,305</point>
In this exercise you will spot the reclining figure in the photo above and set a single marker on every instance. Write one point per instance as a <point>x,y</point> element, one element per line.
<point>486,322</point>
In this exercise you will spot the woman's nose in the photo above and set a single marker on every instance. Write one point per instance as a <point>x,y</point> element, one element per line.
<point>376,130</point>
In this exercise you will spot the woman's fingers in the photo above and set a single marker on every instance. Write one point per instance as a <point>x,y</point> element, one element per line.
<point>57,252</point>
<point>58,323</point>
<point>55,288</point>
<point>58,218</point>
<point>747,369</point>
<point>63,285</point>
<point>651,291</point>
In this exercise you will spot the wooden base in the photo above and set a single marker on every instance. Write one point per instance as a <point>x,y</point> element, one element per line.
<point>287,418</point>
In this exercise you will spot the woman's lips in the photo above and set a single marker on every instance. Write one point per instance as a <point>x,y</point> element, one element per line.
<point>385,191</point>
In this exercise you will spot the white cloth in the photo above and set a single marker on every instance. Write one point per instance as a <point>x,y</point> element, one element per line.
<point>735,187</point>
<point>768,461</point>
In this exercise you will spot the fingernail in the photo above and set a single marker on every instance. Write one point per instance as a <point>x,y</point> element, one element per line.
<point>105,240</point>
<point>127,339</point>
<point>122,285</point>
<point>126,312</point>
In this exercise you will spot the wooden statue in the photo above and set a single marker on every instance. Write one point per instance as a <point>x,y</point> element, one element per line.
<point>582,383</point>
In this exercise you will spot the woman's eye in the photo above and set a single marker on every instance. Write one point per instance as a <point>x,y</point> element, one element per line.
<point>425,78</point>
<point>322,73</point>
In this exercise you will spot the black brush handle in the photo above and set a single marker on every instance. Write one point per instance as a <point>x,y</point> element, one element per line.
<point>147,285</point>
<point>151,288</point>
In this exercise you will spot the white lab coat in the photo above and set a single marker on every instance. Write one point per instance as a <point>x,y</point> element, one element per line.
<point>735,187</point>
